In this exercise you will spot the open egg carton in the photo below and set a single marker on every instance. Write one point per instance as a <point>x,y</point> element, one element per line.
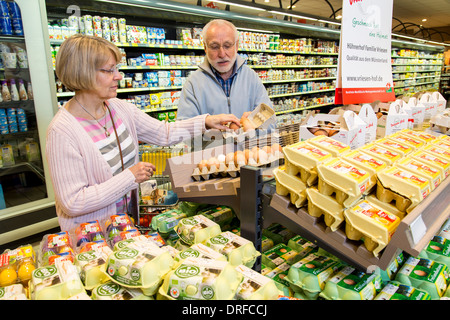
<point>228,165</point>
<point>441,122</point>
<point>261,118</point>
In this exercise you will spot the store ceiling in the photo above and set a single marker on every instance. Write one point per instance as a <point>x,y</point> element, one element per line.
<point>409,12</point>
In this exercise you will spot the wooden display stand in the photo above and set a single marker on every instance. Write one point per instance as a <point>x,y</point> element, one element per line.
<point>412,236</point>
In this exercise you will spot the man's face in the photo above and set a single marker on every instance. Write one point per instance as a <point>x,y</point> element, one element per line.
<point>221,48</point>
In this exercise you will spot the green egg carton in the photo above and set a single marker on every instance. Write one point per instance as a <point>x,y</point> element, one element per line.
<point>141,264</point>
<point>91,266</point>
<point>424,274</point>
<point>310,274</point>
<point>113,291</point>
<point>255,286</point>
<point>279,254</point>
<point>222,215</point>
<point>278,233</point>
<point>200,279</point>
<point>199,250</point>
<point>352,284</point>
<point>237,249</point>
<point>279,275</point>
<point>266,243</point>
<point>438,250</point>
<point>395,290</point>
<point>167,221</point>
<point>197,229</point>
<point>301,245</point>
<point>59,281</point>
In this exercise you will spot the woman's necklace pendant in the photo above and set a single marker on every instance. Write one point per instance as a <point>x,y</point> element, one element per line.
<point>106,132</point>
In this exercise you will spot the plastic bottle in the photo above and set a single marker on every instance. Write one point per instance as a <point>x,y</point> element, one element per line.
<point>6,95</point>
<point>30,91</point>
<point>13,90</point>
<point>22,91</point>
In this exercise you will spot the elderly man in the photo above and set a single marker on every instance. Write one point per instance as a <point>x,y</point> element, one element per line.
<point>223,83</point>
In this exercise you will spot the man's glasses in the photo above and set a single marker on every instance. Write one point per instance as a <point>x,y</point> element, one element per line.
<point>110,71</point>
<point>227,46</point>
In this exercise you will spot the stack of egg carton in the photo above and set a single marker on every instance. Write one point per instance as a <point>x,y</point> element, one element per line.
<point>366,191</point>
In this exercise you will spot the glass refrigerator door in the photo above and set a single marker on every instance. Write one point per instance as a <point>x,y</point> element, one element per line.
<point>26,109</point>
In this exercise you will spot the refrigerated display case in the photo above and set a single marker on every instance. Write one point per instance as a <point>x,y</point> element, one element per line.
<point>26,197</point>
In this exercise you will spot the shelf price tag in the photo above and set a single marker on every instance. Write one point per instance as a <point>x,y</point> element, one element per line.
<point>364,67</point>
<point>418,229</point>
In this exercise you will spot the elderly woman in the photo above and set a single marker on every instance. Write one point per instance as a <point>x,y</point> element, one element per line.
<point>92,142</point>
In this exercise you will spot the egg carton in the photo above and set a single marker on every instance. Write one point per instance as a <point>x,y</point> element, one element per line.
<point>287,184</point>
<point>320,204</point>
<point>441,122</point>
<point>231,170</point>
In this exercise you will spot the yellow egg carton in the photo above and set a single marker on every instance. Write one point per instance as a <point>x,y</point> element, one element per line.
<point>395,145</point>
<point>347,181</point>
<point>336,148</point>
<point>443,153</point>
<point>442,143</point>
<point>372,223</point>
<point>404,187</point>
<point>422,169</point>
<point>303,158</point>
<point>406,139</point>
<point>382,153</point>
<point>433,161</point>
<point>423,136</point>
<point>287,184</point>
<point>320,204</point>
<point>370,163</point>
<point>196,229</point>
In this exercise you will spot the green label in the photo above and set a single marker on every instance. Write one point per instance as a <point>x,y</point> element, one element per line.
<point>45,272</point>
<point>207,292</point>
<point>219,240</point>
<point>108,289</point>
<point>126,253</point>
<point>87,256</point>
<point>189,253</point>
<point>2,292</point>
<point>185,271</point>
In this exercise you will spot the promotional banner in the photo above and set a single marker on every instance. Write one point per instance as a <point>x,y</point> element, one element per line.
<point>364,68</point>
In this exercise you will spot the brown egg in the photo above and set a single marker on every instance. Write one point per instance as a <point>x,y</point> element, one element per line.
<point>267,149</point>
<point>248,155</point>
<point>239,158</point>
<point>229,158</point>
<point>332,132</point>
<point>234,126</point>
<point>202,164</point>
<point>379,115</point>
<point>313,130</point>
<point>213,162</point>
<point>321,132</point>
<point>247,124</point>
<point>262,156</point>
<point>276,147</point>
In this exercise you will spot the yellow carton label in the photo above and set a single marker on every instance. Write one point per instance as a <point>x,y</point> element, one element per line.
<point>411,178</point>
<point>360,176</point>
<point>330,143</point>
<point>395,145</point>
<point>440,163</point>
<point>417,166</point>
<point>312,151</point>
<point>380,217</point>
<point>408,140</point>
<point>419,134</point>
<point>367,160</point>
<point>440,152</point>
<point>383,152</point>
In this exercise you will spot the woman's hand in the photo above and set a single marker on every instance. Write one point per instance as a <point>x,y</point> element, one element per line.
<point>142,171</point>
<point>220,121</point>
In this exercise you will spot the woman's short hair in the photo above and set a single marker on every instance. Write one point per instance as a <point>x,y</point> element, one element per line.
<point>79,57</point>
<point>220,22</point>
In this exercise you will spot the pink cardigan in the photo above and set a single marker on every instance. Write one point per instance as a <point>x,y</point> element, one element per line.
<point>85,189</point>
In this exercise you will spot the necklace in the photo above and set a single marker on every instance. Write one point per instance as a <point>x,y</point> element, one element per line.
<point>104,127</point>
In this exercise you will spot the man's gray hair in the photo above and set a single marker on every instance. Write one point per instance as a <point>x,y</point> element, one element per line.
<point>219,22</point>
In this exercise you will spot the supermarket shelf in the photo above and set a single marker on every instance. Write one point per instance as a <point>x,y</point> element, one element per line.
<point>304,108</point>
<point>413,234</point>
<point>300,93</point>
<point>298,80</point>
<point>293,66</point>
<point>430,58</point>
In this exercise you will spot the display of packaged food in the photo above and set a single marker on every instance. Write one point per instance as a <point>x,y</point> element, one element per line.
<point>433,161</point>
<point>422,169</point>
<point>119,227</point>
<point>347,181</point>
<point>113,291</point>
<point>13,292</point>
<point>438,249</point>
<point>56,246</point>
<point>404,187</point>
<point>424,274</point>
<point>92,266</point>
<point>200,279</point>
<point>378,151</point>
<point>422,135</point>
<point>141,264</point>
<point>302,245</point>
<point>443,153</point>
<point>336,148</point>
<point>237,249</point>
<point>303,158</point>
<point>222,215</point>
<point>309,275</point>
<point>166,221</point>
<point>372,223</point>
<point>255,286</point>
<point>352,284</point>
<point>58,281</point>
<point>406,139</point>
<point>17,265</point>
<point>395,290</point>
<point>196,229</point>
<point>200,250</point>
<point>280,254</point>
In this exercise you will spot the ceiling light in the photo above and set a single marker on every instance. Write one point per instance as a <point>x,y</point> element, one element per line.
<point>330,22</point>
<point>294,15</point>
<point>240,5</point>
